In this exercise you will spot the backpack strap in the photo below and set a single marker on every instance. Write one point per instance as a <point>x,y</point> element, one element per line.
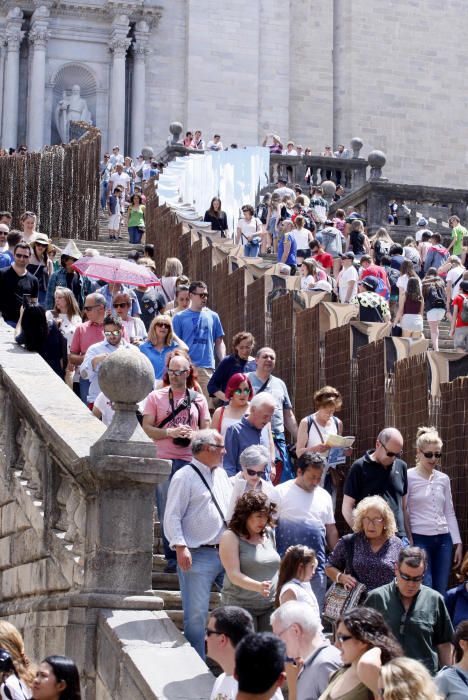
<point>349,541</point>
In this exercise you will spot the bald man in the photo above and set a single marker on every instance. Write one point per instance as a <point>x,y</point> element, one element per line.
<point>380,472</point>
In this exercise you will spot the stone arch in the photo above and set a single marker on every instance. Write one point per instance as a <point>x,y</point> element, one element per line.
<point>62,80</point>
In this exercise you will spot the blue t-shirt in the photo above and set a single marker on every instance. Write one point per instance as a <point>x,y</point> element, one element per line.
<point>157,357</point>
<point>291,259</point>
<point>6,259</point>
<point>199,330</point>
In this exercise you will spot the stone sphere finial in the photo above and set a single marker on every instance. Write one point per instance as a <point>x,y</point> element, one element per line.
<point>147,152</point>
<point>356,144</point>
<point>175,128</point>
<point>328,189</point>
<point>377,160</point>
<point>126,377</point>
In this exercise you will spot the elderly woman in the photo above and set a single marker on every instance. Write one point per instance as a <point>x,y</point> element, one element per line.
<point>161,341</point>
<point>254,461</point>
<point>430,515</point>
<point>248,553</point>
<point>136,330</point>
<point>240,360</point>
<point>370,554</point>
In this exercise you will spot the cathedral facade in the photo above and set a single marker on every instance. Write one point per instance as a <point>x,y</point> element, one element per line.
<point>318,72</point>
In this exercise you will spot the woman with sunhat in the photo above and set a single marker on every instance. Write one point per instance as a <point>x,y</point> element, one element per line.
<point>39,264</point>
<point>69,278</point>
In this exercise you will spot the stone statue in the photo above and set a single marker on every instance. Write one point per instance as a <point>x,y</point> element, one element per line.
<point>70,108</point>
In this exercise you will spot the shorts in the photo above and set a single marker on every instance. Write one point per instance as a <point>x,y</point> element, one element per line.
<point>412,322</point>
<point>435,314</point>
<point>303,253</point>
<point>114,222</point>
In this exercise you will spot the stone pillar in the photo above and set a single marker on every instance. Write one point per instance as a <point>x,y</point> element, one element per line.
<point>13,36</point>
<point>140,50</point>
<point>38,37</point>
<point>118,44</point>
<point>2,73</point>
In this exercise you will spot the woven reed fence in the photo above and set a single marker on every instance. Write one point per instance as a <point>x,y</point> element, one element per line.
<point>410,401</point>
<point>60,184</point>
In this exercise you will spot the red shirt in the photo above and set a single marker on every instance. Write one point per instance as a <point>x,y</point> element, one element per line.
<point>325,259</point>
<point>458,302</point>
<point>379,272</point>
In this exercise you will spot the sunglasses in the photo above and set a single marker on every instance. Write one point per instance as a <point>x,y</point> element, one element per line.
<point>121,305</point>
<point>20,255</point>
<point>109,334</point>
<point>203,295</point>
<point>412,579</point>
<point>163,325</point>
<point>252,472</point>
<point>178,372</point>
<point>344,637</point>
<point>90,308</point>
<point>392,454</point>
<point>209,632</point>
<point>430,455</point>
<point>242,391</point>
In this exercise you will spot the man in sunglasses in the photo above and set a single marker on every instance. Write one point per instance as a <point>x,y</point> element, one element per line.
<point>201,330</point>
<point>98,352</point>
<point>415,613</point>
<point>380,472</point>
<point>16,283</point>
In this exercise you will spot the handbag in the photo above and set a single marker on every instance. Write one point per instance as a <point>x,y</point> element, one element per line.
<point>396,332</point>
<point>338,599</point>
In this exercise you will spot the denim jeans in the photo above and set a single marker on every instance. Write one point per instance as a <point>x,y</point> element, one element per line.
<point>439,559</point>
<point>84,389</point>
<point>161,500</point>
<point>251,250</point>
<point>134,235</point>
<point>104,186</point>
<point>195,588</point>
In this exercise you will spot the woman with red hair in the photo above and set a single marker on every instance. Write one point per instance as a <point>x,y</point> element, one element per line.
<point>238,392</point>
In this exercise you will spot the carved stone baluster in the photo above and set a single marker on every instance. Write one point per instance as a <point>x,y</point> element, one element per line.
<point>314,175</point>
<point>63,494</point>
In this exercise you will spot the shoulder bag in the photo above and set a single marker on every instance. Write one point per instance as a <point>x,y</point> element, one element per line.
<point>218,508</point>
<point>338,599</point>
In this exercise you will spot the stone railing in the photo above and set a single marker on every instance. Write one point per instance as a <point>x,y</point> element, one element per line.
<point>306,171</point>
<point>76,522</point>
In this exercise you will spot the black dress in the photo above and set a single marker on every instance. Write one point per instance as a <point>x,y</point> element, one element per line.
<point>218,223</point>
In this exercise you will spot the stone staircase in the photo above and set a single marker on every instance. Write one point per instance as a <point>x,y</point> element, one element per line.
<point>167,585</point>
<point>445,342</point>
<point>117,249</point>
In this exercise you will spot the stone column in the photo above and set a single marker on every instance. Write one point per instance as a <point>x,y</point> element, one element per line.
<point>38,37</point>
<point>118,44</point>
<point>13,36</point>
<point>140,51</point>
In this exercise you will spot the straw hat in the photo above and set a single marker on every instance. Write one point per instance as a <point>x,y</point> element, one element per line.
<point>41,238</point>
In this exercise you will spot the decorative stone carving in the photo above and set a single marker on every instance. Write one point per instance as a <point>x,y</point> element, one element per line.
<point>175,128</point>
<point>31,457</point>
<point>356,144</point>
<point>39,37</point>
<point>377,160</point>
<point>119,45</point>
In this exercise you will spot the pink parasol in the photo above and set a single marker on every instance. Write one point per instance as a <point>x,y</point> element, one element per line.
<point>116,270</point>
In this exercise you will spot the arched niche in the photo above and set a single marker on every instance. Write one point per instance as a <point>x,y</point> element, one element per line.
<point>62,82</point>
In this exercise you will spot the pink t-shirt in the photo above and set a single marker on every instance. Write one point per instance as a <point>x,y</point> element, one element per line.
<point>158,407</point>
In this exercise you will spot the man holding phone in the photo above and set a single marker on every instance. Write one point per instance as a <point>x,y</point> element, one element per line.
<point>17,285</point>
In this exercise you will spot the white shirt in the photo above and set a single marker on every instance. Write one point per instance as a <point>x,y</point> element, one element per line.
<point>212,146</point>
<point>430,505</point>
<point>309,507</point>
<point>18,689</point>
<point>346,276</point>
<point>249,228</point>
<point>292,152</point>
<point>123,179</point>
<point>402,282</point>
<point>104,405</point>
<point>455,275</point>
<point>135,327</point>
<point>307,283</point>
<point>303,592</point>
<point>115,159</point>
<point>86,368</point>
<point>225,688</point>
<point>191,518</point>
<point>302,238</point>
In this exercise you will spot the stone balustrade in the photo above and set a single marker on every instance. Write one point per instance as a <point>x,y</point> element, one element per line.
<point>349,172</point>
<point>76,523</point>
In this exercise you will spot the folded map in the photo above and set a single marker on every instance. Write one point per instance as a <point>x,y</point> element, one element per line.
<point>340,441</point>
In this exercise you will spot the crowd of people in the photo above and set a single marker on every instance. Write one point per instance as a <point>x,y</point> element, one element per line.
<point>369,612</point>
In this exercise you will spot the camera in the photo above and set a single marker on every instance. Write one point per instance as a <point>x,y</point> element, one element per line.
<point>181,441</point>
<point>6,662</point>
